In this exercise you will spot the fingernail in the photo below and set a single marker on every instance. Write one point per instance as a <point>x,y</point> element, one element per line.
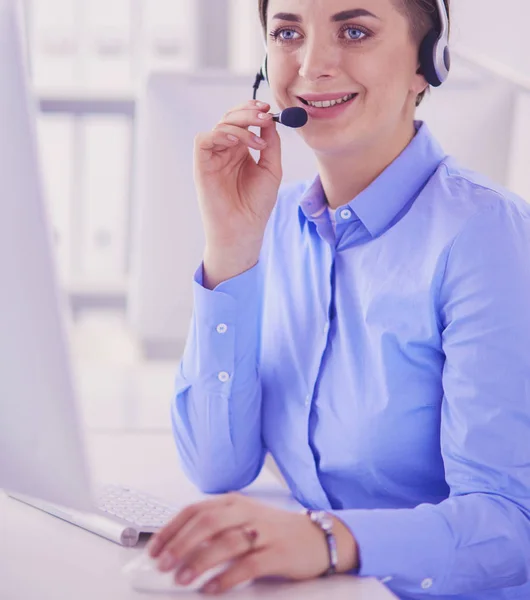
<point>211,588</point>
<point>186,576</point>
<point>264,116</point>
<point>166,562</point>
<point>152,546</point>
<point>261,104</point>
<point>259,141</point>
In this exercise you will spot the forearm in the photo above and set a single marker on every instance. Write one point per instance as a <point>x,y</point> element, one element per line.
<point>465,544</point>
<point>216,413</point>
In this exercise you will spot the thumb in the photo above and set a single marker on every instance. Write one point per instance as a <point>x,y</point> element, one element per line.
<point>271,156</point>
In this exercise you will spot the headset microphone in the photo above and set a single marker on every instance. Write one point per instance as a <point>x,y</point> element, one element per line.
<point>293,117</point>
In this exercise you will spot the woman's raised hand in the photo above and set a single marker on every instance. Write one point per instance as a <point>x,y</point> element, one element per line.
<point>236,194</point>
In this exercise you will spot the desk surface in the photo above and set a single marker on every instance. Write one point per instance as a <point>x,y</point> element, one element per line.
<point>42,557</point>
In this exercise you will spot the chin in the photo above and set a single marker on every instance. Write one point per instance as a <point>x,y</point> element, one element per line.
<point>329,142</point>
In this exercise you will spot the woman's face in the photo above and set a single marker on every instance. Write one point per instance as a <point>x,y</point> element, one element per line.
<point>324,50</point>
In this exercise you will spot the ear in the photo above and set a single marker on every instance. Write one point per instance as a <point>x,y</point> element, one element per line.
<point>419,83</point>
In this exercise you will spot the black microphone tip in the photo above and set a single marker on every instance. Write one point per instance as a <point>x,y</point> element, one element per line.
<point>294,117</point>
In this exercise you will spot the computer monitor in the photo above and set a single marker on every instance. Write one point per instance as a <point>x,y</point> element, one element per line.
<point>41,447</point>
<point>167,239</point>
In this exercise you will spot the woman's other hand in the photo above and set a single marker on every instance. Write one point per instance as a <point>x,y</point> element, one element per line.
<point>256,540</point>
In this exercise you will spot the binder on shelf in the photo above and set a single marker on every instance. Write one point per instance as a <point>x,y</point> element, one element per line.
<point>107,44</point>
<point>167,34</point>
<point>55,43</point>
<point>105,198</point>
<point>56,146</point>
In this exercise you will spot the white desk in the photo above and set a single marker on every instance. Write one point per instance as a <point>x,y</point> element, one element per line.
<point>44,558</point>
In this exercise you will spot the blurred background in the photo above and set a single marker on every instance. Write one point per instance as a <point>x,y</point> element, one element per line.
<point>89,60</point>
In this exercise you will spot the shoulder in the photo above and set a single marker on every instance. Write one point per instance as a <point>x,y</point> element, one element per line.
<point>469,194</point>
<point>492,238</point>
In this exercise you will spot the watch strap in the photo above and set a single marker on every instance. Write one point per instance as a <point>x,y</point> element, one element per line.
<point>325,523</point>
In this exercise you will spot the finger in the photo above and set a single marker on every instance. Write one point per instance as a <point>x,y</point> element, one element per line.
<point>214,141</point>
<point>199,530</point>
<point>251,566</point>
<point>271,156</point>
<point>224,547</point>
<point>159,540</point>
<point>248,118</point>
<point>243,136</point>
<point>250,105</point>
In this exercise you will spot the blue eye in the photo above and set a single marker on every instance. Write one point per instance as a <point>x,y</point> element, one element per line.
<point>287,35</point>
<point>284,35</point>
<point>355,38</point>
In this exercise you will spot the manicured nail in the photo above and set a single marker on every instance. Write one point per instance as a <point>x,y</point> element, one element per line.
<point>211,588</point>
<point>261,104</point>
<point>186,576</point>
<point>152,546</point>
<point>264,116</point>
<point>166,562</point>
<point>232,138</point>
<point>259,141</point>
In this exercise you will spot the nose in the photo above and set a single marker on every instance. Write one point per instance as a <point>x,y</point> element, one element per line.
<point>318,60</point>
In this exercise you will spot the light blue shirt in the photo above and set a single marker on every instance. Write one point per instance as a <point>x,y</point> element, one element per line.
<point>387,370</point>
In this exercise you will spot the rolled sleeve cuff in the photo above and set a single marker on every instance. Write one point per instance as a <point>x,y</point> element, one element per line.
<point>225,331</point>
<point>409,549</point>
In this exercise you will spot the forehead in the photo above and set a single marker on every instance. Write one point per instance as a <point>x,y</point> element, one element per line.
<point>307,8</point>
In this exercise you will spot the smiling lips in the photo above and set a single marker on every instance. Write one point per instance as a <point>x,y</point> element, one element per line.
<point>327,102</point>
<point>326,105</point>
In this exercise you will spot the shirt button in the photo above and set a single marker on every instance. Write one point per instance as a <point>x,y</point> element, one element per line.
<point>346,214</point>
<point>307,400</point>
<point>426,583</point>
<point>223,376</point>
<point>222,328</point>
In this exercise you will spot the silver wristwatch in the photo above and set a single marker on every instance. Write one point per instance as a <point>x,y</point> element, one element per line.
<point>325,522</point>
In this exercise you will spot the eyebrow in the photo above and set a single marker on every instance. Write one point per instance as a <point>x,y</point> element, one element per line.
<point>342,16</point>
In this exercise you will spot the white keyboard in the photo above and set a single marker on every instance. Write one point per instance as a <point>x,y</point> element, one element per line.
<point>123,513</point>
<point>143,511</point>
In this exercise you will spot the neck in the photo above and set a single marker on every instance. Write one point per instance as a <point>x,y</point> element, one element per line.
<point>344,176</point>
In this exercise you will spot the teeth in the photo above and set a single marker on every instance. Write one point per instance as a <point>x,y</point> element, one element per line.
<point>329,103</point>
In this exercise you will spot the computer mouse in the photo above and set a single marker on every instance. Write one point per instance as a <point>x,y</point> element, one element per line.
<point>144,576</point>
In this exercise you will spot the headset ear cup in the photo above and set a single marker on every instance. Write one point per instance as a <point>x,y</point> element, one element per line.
<point>427,58</point>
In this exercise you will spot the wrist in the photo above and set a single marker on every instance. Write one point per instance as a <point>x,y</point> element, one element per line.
<point>223,263</point>
<point>342,549</point>
<point>347,547</point>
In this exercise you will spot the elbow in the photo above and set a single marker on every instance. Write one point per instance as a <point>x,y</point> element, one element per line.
<point>212,479</point>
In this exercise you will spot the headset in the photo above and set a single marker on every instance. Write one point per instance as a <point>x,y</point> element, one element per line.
<point>434,55</point>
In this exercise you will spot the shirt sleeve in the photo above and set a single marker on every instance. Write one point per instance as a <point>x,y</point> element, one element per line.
<point>216,413</point>
<point>479,537</point>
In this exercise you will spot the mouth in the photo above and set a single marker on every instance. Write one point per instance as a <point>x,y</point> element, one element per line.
<point>327,103</point>
<point>320,107</point>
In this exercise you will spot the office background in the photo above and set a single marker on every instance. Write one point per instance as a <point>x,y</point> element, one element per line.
<point>88,66</point>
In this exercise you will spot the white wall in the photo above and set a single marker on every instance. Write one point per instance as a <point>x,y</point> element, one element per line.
<point>498,30</point>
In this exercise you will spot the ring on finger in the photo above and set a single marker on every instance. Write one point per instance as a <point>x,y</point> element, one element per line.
<point>251,535</point>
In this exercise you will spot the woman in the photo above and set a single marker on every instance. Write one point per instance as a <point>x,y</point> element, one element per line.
<point>369,329</point>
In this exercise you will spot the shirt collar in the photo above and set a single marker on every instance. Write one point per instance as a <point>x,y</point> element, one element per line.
<point>379,204</point>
